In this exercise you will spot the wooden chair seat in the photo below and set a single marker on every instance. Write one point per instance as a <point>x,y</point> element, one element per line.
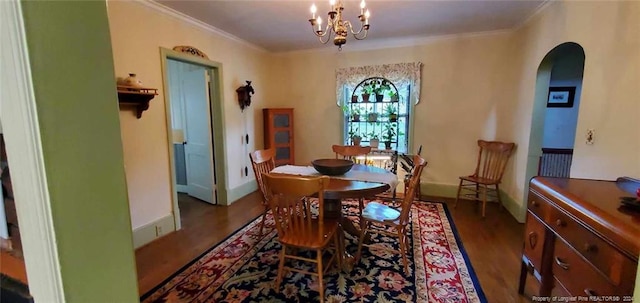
<point>375,211</point>
<point>380,218</point>
<point>298,228</point>
<point>322,235</point>
<point>484,184</point>
<point>480,180</point>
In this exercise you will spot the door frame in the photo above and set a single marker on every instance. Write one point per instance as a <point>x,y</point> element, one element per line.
<point>214,70</point>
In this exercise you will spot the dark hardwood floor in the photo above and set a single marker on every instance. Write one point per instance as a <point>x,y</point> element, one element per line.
<point>494,244</point>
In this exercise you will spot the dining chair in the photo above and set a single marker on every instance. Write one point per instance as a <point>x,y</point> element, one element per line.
<point>492,161</point>
<point>263,161</point>
<point>379,218</point>
<point>350,152</point>
<point>301,228</point>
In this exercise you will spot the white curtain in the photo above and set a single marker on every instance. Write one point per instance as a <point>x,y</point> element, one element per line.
<point>400,74</point>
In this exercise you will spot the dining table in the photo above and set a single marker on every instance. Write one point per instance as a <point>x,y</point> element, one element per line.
<point>361,181</point>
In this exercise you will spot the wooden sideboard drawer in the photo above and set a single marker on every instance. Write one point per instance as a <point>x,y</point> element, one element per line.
<point>534,241</point>
<point>538,205</point>
<point>601,254</point>
<point>577,275</point>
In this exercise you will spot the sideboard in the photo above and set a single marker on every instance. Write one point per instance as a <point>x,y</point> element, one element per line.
<point>579,240</point>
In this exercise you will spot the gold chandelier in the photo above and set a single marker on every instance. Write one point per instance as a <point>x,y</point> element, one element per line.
<point>336,25</point>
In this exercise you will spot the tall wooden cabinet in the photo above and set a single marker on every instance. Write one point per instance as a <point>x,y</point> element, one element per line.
<point>278,133</point>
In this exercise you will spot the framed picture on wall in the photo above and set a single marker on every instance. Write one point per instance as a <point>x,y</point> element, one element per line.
<point>561,96</point>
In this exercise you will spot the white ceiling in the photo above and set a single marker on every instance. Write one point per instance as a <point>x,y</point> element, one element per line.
<point>281,26</point>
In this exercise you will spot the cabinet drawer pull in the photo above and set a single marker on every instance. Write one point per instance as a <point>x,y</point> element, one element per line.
<point>590,292</point>
<point>560,223</point>
<point>590,247</point>
<point>533,239</point>
<point>534,203</point>
<point>562,264</point>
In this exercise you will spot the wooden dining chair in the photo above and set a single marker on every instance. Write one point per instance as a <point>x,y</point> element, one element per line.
<point>377,217</point>
<point>483,185</point>
<point>350,152</point>
<point>300,228</point>
<point>263,161</point>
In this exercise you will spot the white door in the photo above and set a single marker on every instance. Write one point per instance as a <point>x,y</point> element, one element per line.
<point>198,147</point>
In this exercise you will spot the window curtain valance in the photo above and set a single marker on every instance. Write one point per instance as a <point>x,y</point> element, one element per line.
<point>401,74</point>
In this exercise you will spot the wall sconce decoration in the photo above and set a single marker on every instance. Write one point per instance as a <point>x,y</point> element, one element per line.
<point>244,95</point>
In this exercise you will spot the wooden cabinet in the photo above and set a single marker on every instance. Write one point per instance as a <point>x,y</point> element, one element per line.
<point>579,239</point>
<point>278,133</point>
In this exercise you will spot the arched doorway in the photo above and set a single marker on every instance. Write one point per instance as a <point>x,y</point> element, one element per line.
<point>555,112</point>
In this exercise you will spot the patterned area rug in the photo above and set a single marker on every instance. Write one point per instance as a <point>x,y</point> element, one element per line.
<point>243,268</point>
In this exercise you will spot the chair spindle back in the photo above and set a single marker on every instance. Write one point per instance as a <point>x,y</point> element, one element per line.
<point>492,159</point>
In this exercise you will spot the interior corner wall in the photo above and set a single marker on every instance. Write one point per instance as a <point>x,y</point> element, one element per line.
<point>609,98</point>
<point>463,80</point>
<point>136,49</point>
<point>72,74</point>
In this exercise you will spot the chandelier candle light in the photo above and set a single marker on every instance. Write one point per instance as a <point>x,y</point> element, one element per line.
<point>339,27</point>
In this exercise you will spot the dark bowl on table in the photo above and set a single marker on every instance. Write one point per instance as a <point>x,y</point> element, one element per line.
<point>332,167</point>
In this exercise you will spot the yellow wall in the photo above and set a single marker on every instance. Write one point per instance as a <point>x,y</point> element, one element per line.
<point>609,102</point>
<point>137,33</point>
<point>462,82</point>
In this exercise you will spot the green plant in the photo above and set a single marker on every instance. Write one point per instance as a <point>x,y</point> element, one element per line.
<point>373,136</point>
<point>390,110</point>
<point>389,132</point>
<point>356,110</point>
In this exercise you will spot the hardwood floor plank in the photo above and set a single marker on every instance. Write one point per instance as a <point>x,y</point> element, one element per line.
<point>494,244</point>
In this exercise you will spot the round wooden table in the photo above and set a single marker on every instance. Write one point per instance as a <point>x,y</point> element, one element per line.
<point>339,189</point>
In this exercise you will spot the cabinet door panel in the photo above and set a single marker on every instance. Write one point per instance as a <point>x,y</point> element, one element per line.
<point>281,137</point>
<point>281,120</point>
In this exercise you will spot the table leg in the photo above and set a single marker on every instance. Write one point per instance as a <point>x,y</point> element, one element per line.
<point>333,209</point>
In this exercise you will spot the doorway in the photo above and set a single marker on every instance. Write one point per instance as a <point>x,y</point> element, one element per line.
<point>555,112</point>
<point>195,127</point>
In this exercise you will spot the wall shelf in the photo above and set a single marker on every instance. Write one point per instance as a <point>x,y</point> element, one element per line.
<point>137,97</point>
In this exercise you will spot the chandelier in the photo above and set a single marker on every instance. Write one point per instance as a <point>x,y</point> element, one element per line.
<point>340,28</point>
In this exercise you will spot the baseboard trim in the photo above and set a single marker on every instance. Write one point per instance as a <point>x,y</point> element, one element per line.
<point>451,190</point>
<point>153,230</point>
<point>241,191</point>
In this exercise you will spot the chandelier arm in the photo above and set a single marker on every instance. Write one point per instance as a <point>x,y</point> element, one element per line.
<point>327,33</point>
<point>363,27</point>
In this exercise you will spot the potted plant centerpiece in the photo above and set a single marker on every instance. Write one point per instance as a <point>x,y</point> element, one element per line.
<point>389,134</point>
<point>393,96</point>
<point>372,116</point>
<point>355,114</point>
<point>391,112</point>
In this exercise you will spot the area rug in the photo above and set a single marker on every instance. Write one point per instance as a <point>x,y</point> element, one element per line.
<point>243,268</point>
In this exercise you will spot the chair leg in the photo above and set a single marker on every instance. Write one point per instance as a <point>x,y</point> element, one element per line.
<point>339,249</point>
<point>498,196</point>
<point>280,269</point>
<point>320,278</point>
<point>403,250</point>
<point>264,218</point>
<point>455,204</point>
<point>484,199</point>
<point>363,234</point>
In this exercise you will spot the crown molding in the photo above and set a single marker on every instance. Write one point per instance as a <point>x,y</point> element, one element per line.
<point>542,7</point>
<point>369,45</point>
<point>195,22</point>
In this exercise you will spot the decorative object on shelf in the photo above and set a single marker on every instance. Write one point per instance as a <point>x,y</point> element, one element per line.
<point>244,95</point>
<point>132,81</point>
<point>391,112</point>
<point>374,140</point>
<point>372,117</point>
<point>190,50</point>
<point>355,136</point>
<point>338,27</point>
<point>136,96</point>
<point>389,135</point>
